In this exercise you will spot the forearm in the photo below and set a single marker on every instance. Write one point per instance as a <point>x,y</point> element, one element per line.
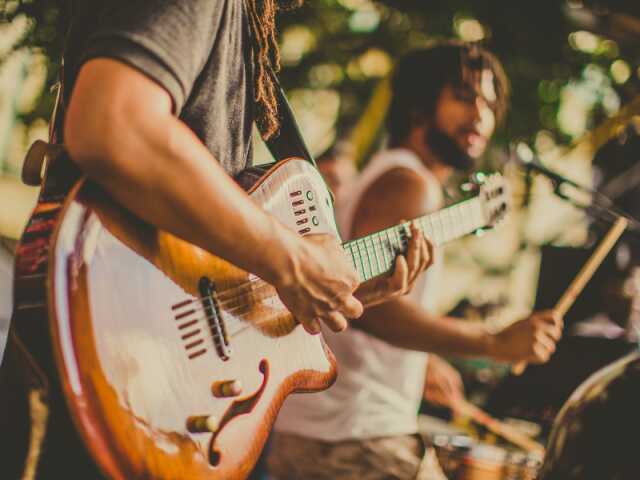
<point>405,324</point>
<point>162,173</point>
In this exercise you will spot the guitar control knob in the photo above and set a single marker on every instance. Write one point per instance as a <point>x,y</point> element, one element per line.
<point>227,388</point>
<point>203,424</point>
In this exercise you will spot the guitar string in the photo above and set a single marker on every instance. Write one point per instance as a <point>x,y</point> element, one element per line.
<point>225,295</point>
<point>234,321</point>
<point>228,295</point>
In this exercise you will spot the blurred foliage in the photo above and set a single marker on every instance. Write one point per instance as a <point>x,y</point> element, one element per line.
<point>347,45</point>
<point>531,38</point>
<point>47,24</point>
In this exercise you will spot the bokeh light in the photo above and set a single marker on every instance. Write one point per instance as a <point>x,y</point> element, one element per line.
<point>469,29</point>
<point>297,41</point>
<point>365,20</point>
<point>620,71</point>
<point>375,63</point>
<point>584,41</point>
<point>326,75</point>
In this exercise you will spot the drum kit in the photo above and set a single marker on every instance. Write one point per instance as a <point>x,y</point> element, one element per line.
<point>463,456</point>
<point>590,438</point>
<point>464,459</point>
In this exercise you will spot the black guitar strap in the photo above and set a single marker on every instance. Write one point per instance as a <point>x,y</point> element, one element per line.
<point>288,141</point>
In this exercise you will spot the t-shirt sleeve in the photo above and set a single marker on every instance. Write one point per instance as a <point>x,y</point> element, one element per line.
<point>169,41</point>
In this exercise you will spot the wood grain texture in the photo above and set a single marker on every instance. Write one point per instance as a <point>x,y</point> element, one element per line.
<point>116,288</point>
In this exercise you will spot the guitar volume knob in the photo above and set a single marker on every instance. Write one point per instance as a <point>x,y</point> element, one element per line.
<point>227,388</point>
<point>203,424</point>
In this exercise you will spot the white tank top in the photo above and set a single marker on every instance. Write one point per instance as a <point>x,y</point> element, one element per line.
<point>379,386</point>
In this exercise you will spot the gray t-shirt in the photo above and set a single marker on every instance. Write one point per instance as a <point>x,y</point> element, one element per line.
<point>198,50</point>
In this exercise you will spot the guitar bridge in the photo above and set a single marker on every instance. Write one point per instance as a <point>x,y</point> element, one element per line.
<point>214,318</point>
<point>189,322</point>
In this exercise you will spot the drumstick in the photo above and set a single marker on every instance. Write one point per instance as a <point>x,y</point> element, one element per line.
<point>583,276</point>
<point>466,408</point>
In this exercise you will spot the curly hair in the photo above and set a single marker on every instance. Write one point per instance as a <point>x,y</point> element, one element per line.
<point>262,18</point>
<point>421,75</point>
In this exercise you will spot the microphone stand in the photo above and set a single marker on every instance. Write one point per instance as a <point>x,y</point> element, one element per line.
<point>600,206</point>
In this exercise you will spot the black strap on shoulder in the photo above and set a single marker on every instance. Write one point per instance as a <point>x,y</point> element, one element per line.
<point>288,141</point>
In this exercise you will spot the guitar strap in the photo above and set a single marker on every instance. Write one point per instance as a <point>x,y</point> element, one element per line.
<point>288,141</point>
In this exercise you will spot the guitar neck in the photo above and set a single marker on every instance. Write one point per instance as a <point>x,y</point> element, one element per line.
<point>375,254</point>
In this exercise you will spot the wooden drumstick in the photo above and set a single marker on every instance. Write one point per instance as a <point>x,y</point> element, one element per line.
<point>466,408</point>
<point>583,276</point>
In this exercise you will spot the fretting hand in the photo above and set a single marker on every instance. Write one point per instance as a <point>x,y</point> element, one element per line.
<point>408,267</point>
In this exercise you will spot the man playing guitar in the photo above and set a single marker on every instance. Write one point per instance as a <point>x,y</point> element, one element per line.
<point>160,99</point>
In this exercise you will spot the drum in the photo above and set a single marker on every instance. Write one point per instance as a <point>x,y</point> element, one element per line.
<point>451,451</point>
<point>489,462</point>
<point>462,458</point>
<point>593,436</point>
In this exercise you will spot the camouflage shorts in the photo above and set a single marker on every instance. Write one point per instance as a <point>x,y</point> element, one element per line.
<point>403,457</point>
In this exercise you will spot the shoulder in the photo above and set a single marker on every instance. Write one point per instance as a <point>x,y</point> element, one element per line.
<point>399,187</point>
<point>398,194</point>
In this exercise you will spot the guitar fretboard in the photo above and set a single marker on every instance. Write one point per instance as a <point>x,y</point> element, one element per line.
<point>374,254</point>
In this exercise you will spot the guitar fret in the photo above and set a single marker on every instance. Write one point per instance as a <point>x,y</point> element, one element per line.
<point>390,242</point>
<point>353,257</point>
<point>367,257</point>
<point>372,255</point>
<point>466,221</point>
<point>375,254</point>
<point>356,256</point>
<point>379,248</point>
<point>459,227</point>
<point>378,253</point>
<point>360,262</point>
<point>388,257</point>
<point>362,269</point>
<point>445,226</point>
<point>375,268</point>
<point>367,265</point>
<point>429,223</point>
<point>443,218</point>
<point>450,224</point>
<point>434,222</point>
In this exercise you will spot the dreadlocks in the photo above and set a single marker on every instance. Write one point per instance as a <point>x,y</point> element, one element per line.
<point>262,17</point>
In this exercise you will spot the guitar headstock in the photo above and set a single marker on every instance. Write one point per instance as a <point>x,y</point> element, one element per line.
<point>494,199</point>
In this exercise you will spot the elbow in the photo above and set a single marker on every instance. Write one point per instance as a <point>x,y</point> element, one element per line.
<point>88,140</point>
<point>109,117</point>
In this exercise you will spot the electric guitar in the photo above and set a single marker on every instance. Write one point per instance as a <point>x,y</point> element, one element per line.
<point>174,362</point>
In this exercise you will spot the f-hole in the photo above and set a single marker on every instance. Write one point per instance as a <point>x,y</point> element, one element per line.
<point>237,408</point>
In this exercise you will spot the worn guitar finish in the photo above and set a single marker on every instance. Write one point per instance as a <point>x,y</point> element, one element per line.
<point>147,328</point>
